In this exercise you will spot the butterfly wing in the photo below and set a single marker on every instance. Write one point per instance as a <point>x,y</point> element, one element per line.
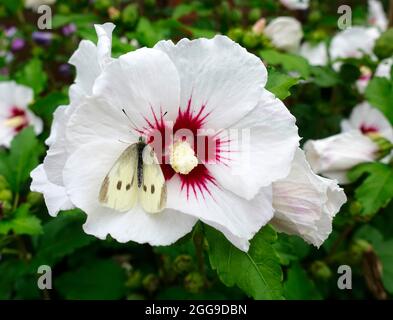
<point>152,194</point>
<point>119,190</point>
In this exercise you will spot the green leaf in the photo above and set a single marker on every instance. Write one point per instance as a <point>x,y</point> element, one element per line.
<point>10,271</point>
<point>279,84</point>
<point>289,62</point>
<point>13,5</point>
<point>21,222</point>
<point>46,106</point>
<point>324,76</point>
<point>33,76</point>
<point>23,157</point>
<point>100,279</point>
<point>62,236</point>
<point>79,20</point>
<point>379,93</point>
<point>384,251</point>
<point>376,191</point>
<point>299,286</point>
<point>257,272</point>
<point>290,248</point>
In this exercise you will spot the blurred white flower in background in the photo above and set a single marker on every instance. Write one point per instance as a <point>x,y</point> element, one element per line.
<point>316,54</point>
<point>296,4</point>
<point>367,119</point>
<point>14,112</point>
<point>353,42</point>
<point>305,203</point>
<point>285,33</point>
<point>376,15</point>
<point>334,156</point>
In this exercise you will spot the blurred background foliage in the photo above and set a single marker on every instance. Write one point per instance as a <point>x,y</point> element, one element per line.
<point>84,267</point>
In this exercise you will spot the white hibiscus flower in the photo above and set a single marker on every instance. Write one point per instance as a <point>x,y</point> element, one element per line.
<point>188,87</point>
<point>14,114</point>
<point>353,42</point>
<point>89,61</point>
<point>376,15</point>
<point>316,54</point>
<point>367,119</point>
<point>335,155</point>
<point>285,33</point>
<point>296,4</point>
<point>305,204</point>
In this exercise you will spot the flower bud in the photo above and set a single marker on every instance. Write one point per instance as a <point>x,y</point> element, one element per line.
<point>384,45</point>
<point>358,248</point>
<point>384,145</point>
<point>194,282</point>
<point>34,198</point>
<point>321,270</point>
<point>134,281</point>
<point>151,282</point>
<point>5,196</point>
<point>182,263</point>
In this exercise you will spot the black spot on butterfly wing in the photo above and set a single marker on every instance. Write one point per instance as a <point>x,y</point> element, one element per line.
<point>118,186</point>
<point>152,188</point>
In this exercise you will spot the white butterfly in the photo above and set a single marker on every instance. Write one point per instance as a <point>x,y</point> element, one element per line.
<point>136,175</point>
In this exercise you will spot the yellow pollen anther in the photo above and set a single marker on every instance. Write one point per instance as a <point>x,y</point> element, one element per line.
<point>15,122</point>
<point>182,157</point>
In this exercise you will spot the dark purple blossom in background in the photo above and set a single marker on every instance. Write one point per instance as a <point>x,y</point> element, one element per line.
<point>42,37</point>
<point>10,31</point>
<point>69,29</point>
<point>17,44</point>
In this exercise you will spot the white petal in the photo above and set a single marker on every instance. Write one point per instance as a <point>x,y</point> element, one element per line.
<point>334,156</point>
<point>315,54</point>
<point>95,119</point>
<point>384,68</point>
<point>353,42</point>
<point>141,82</point>
<point>6,135</point>
<point>14,95</point>
<point>305,203</point>
<point>217,73</point>
<point>376,15</point>
<point>55,196</point>
<point>285,33</point>
<point>83,175</point>
<point>237,218</point>
<point>89,61</point>
<point>262,146</point>
<point>367,117</point>
<point>56,155</point>
<point>34,121</point>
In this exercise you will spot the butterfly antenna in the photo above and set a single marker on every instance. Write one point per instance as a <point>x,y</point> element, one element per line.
<point>129,119</point>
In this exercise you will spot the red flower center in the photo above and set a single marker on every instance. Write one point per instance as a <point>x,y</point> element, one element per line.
<point>20,116</point>
<point>368,129</point>
<point>188,126</point>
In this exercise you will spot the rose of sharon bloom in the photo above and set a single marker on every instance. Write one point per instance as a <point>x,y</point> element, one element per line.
<point>296,4</point>
<point>305,204</point>
<point>353,42</point>
<point>34,4</point>
<point>376,15</point>
<point>207,88</point>
<point>89,60</point>
<point>15,116</point>
<point>316,54</point>
<point>368,119</point>
<point>335,155</point>
<point>285,33</point>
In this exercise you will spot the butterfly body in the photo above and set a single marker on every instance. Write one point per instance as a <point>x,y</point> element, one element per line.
<point>135,177</point>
